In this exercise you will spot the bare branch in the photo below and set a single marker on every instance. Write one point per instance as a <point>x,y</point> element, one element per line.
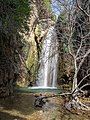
<point>79,48</point>
<point>80,83</point>
<point>69,48</point>
<point>83,79</point>
<point>85,36</point>
<point>84,86</point>
<point>86,54</point>
<point>82,9</point>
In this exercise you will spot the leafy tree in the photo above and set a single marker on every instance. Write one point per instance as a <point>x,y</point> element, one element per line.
<point>14,16</point>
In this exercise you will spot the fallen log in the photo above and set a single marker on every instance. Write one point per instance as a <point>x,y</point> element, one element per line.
<point>41,100</point>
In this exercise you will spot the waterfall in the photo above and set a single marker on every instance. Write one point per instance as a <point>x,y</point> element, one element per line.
<point>47,74</point>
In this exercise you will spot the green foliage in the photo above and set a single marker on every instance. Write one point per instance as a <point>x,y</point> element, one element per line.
<point>14,15</point>
<point>48,5</point>
<point>49,8</point>
<point>63,18</point>
<point>65,48</point>
<point>38,30</point>
<point>63,23</point>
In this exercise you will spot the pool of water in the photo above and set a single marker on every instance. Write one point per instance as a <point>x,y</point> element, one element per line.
<point>38,90</point>
<point>42,87</point>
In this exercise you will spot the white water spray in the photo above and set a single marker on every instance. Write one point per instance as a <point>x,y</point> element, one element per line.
<point>47,75</point>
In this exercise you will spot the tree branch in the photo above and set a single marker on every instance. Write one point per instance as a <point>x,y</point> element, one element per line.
<point>82,9</point>
<point>86,54</point>
<point>79,48</point>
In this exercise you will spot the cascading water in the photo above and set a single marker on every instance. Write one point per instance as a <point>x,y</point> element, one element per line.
<point>47,75</point>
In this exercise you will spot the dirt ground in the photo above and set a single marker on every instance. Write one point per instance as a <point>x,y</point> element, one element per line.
<point>21,107</point>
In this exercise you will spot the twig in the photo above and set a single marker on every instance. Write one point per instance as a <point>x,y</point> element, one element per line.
<point>82,9</point>
<point>86,54</point>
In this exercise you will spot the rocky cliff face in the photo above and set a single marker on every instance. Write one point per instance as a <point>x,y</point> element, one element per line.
<point>12,22</point>
<point>40,20</point>
<point>10,65</point>
<point>39,23</point>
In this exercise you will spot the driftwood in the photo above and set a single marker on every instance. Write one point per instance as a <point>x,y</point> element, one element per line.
<point>41,100</point>
<point>69,104</point>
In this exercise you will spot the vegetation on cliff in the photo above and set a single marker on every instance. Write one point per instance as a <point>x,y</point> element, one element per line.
<point>13,21</point>
<point>24,25</point>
